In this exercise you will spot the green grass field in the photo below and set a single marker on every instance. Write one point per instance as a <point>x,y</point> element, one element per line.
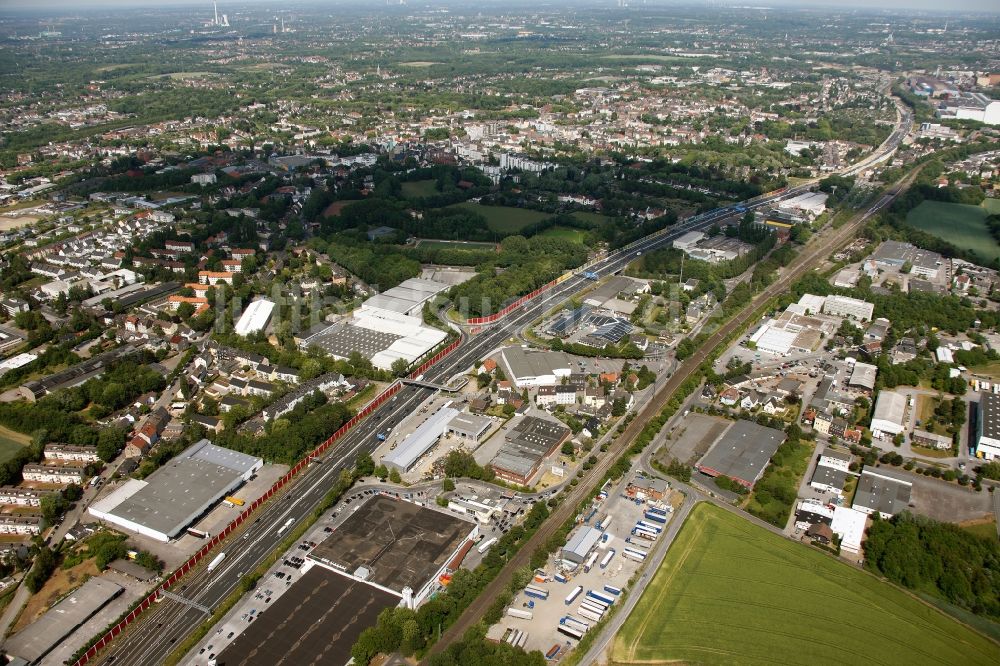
<point>455,245</point>
<point>10,443</point>
<point>505,219</point>
<point>959,224</point>
<point>419,188</point>
<point>566,233</point>
<point>729,592</point>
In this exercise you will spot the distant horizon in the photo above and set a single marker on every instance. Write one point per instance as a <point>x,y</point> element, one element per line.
<point>930,6</point>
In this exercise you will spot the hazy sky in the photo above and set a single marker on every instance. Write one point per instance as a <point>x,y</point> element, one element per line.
<point>927,5</point>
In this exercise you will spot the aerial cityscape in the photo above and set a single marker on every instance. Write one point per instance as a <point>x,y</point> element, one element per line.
<point>597,332</point>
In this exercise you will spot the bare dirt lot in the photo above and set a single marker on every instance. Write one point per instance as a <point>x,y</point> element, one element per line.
<point>57,587</point>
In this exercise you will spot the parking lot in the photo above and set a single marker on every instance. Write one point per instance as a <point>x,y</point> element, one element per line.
<point>692,437</point>
<point>542,627</point>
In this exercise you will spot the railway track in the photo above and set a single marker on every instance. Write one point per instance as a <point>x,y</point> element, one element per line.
<point>568,507</point>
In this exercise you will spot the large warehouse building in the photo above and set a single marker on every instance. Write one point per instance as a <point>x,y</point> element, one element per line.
<point>883,490</point>
<point>387,327</point>
<point>526,446</point>
<point>536,368</point>
<point>255,318</point>
<point>988,427</point>
<point>397,546</point>
<point>164,504</point>
<point>890,409</point>
<point>408,452</point>
<point>742,452</point>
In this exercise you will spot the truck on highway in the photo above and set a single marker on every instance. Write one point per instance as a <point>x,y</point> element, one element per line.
<point>288,523</point>
<point>213,565</point>
<point>380,437</point>
<point>591,275</point>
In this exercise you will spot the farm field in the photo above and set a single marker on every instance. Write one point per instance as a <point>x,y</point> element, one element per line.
<point>10,443</point>
<point>729,592</point>
<point>961,225</point>
<point>419,188</point>
<point>505,219</point>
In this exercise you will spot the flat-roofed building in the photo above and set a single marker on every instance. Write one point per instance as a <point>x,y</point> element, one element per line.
<point>845,306</point>
<point>890,410</point>
<point>882,490</point>
<point>416,444</point>
<point>525,446</point>
<point>742,452</point>
<point>831,473</point>
<point>165,503</point>
<point>255,318</point>
<point>469,426</point>
<point>863,376</point>
<point>988,427</point>
<point>580,543</point>
<point>536,368</point>
<point>688,241</point>
<point>46,633</point>
<point>849,525</point>
<point>895,254</point>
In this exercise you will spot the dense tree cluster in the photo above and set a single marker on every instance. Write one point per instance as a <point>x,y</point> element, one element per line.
<point>938,558</point>
<point>289,438</point>
<point>524,265</point>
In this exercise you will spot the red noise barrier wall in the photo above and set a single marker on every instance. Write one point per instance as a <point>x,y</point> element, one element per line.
<point>245,514</point>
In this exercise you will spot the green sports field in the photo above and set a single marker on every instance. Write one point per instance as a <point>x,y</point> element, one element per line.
<point>729,592</point>
<point>565,233</point>
<point>419,188</point>
<point>959,224</point>
<point>10,443</point>
<point>505,219</point>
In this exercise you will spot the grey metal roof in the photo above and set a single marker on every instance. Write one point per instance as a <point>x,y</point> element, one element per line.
<point>470,424</point>
<point>580,543</point>
<point>185,487</point>
<point>420,440</point>
<point>989,405</point>
<point>523,364</point>
<point>830,476</point>
<point>45,633</point>
<point>890,406</point>
<point>882,490</point>
<point>743,451</point>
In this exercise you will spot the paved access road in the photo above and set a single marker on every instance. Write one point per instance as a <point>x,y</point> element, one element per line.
<point>156,633</point>
<point>158,630</point>
<point>823,244</point>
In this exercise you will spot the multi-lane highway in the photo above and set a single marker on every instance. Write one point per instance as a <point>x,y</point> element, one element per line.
<point>167,623</point>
